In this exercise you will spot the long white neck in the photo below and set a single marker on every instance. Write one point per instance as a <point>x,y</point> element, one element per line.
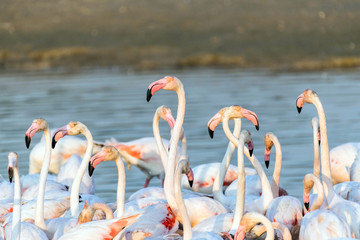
<point>170,168</point>
<point>39,217</point>
<point>218,183</point>
<point>240,195</point>
<point>75,188</point>
<point>180,202</point>
<point>120,188</point>
<point>325,156</point>
<point>277,169</point>
<point>316,149</point>
<point>267,195</point>
<point>320,193</point>
<point>159,142</point>
<point>16,221</point>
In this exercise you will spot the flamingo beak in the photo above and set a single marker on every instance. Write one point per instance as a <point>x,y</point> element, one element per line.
<point>30,133</point>
<point>59,133</point>
<point>250,147</point>
<point>251,116</point>
<point>306,204</point>
<point>91,169</point>
<point>27,141</point>
<point>267,157</point>
<point>299,102</point>
<point>148,95</point>
<point>190,177</point>
<point>211,133</point>
<point>213,123</point>
<point>10,173</point>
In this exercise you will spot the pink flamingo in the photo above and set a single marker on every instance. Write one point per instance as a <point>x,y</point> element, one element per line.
<point>347,210</point>
<point>314,201</point>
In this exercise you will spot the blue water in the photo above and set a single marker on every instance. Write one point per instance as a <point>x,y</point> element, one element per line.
<point>112,104</point>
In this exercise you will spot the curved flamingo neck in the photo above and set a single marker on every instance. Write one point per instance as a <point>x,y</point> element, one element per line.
<point>103,207</point>
<point>253,218</point>
<point>180,201</point>
<point>39,216</point>
<point>320,193</point>
<point>218,183</point>
<point>75,188</point>
<point>120,193</point>
<point>267,195</point>
<point>277,169</point>
<point>170,167</point>
<point>158,140</point>
<point>325,156</point>
<point>16,222</point>
<point>240,195</point>
<point>316,148</point>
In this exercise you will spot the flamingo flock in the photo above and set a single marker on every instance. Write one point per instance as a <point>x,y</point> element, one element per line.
<point>209,201</point>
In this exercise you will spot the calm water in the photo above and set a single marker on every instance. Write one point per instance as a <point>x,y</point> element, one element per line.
<point>112,104</point>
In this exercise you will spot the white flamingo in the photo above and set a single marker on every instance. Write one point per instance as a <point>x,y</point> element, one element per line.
<point>76,128</point>
<point>312,202</point>
<point>19,230</point>
<point>347,210</point>
<point>286,210</point>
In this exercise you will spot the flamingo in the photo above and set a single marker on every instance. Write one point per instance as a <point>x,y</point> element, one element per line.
<point>323,224</point>
<point>286,210</point>
<point>230,221</point>
<point>249,220</point>
<point>347,210</point>
<point>142,153</point>
<point>314,201</point>
<point>63,225</point>
<point>200,207</point>
<point>63,151</point>
<point>205,174</point>
<point>19,230</point>
<point>76,128</point>
<point>285,234</point>
<point>53,207</point>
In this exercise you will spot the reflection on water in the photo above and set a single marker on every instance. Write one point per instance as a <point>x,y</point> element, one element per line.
<point>113,104</point>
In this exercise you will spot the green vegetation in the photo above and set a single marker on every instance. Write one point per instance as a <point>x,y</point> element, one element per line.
<point>151,34</point>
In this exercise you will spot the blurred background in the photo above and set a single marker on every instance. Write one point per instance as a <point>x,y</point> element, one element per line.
<point>280,34</point>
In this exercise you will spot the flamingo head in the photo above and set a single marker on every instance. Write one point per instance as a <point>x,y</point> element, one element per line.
<point>249,142</point>
<point>165,113</point>
<point>72,128</point>
<point>37,125</point>
<point>166,83</point>
<point>308,184</point>
<point>268,145</point>
<point>236,111</point>
<point>306,97</point>
<point>215,120</point>
<point>107,153</point>
<point>86,214</point>
<point>13,163</point>
<point>190,176</point>
<point>306,197</point>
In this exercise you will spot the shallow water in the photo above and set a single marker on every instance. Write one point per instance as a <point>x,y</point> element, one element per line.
<point>113,104</point>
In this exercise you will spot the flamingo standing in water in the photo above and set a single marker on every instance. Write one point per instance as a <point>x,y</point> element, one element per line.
<point>346,210</point>
<point>19,230</point>
<point>205,207</point>
<point>286,210</point>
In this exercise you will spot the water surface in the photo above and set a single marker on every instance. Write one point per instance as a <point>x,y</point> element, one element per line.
<point>112,104</point>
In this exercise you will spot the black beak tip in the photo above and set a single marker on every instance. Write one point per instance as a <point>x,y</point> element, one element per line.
<point>251,152</point>
<point>257,127</point>
<point>11,174</point>
<point>91,169</point>
<point>299,109</point>
<point>319,142</point>
<point>267,164</point>
<point>191,183</point>
<point>27,141</point>
<point>306,206</point>
<point>148,95</point>
<point>211,133</point>
<point>53,143</point>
